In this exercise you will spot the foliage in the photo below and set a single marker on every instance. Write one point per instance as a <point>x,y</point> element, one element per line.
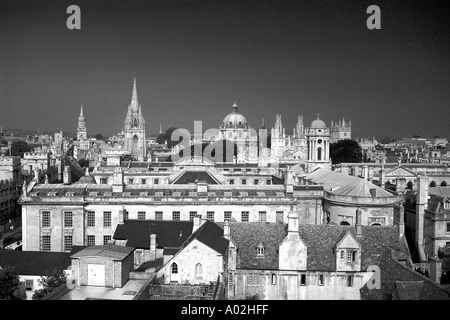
<point>167,138</point>
<point>83,163</point>
<point>99,136</point>
<point>386,140</point>
<point>9,284</point>
<point>50,283</point>
<point>346,150</point>
<point>18,148</point>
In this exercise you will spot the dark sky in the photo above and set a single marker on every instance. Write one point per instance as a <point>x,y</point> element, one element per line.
<point>192,59</point>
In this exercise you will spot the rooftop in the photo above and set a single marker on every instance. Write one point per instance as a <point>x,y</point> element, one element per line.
<point>35,263</point>
<point>110,251</point>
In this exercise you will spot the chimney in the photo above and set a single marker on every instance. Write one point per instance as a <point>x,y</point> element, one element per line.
<point>118,179</point>
<point>373,192</point>
<point>67,176</point>
<point>152,247</point>
<point>121,216</point>
<point>421,205</point>
<point>226,230</point>
<point>198,222</point>
<point>289,180</point>
<point>435,269</point>
<point>366,172</point>
<point>293,218</point>
<point>355,171</point>
<point>358,222</point>
<point>382,177</point>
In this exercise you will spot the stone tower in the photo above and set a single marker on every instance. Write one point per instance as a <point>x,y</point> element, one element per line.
<point>82,139</point>
<point>134,125</point>
<point>318,136</point>
<point>341,130</point>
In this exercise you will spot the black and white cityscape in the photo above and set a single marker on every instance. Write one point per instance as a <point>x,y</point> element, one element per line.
<point>224,150</point>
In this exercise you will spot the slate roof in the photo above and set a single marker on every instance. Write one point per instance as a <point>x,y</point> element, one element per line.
<point>210,234</point>
<point>169,233</point>
<point>319,239</point>
<point>195,176</point>
<point>401,282</point>
<point>157,263</point>
<point>34,263</point>
<point>110,251</point>
<point>360,188</point>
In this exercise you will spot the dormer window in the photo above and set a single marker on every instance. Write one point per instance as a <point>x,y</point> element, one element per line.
<point>351,255</point>
<point>260,251</point>
<point>446,205</point>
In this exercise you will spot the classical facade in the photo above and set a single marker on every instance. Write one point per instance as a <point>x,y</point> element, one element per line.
<point>134,128</point>
<point>318,137</point>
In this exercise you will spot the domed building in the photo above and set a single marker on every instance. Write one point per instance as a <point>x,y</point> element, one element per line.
<point>318,139</point>
<point>235,128</point>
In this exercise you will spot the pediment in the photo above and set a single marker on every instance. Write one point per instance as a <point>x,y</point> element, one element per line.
<point>400,172</point>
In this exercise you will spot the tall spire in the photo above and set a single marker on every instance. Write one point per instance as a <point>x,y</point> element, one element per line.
<point>160,128</point>
<point>134,97</point>
<point>81,111</point>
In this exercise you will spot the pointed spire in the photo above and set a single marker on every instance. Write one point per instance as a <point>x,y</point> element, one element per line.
<point>134,97</point>
<point>343,121</point>
<point>81,111</point>
<point>160,128</point>
<point>263,126</point>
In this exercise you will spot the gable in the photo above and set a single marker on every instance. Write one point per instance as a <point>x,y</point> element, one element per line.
<point>400,172</point>
<point>348,241</point>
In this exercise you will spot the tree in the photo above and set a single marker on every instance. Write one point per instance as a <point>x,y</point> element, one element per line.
<point>167,137</point>
<point>50,283</point>
<point>9,284</point>
<point>386,140</point>
<point>99,136</point>
<point>346,150</point>
<point>83,163</point>
<point>18,148</point>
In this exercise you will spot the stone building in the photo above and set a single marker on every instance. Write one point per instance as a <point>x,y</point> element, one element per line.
<point>308,262</point>
<point>340,130</point>
<point>288,148</point>
<point>10,190</point>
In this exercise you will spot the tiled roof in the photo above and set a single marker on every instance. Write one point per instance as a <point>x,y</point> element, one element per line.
<point>34,263</point>
<point>360,188</point>
<point>157,263</point>
<point>110,251</point>
<point>247,236</point>
<point>394,275</point>
<point>169,234</point>
<point>195,176</point>
<point>319,239</point>
<point>211,235</point>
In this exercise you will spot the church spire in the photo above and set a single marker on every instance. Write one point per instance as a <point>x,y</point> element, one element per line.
<point>81,111</point>
<point>134,97</point>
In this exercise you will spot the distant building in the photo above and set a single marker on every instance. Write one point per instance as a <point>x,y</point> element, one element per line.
<point>340,130</point>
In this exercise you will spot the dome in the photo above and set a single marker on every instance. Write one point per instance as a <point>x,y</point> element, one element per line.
<point>318,124</point>
<point>234,119</point>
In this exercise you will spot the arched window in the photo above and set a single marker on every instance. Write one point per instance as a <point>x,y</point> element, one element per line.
<point>198,270</point>
<point>319,153</point>
<point>443,184</point>
<point>274,278</point>
<point>433,184</point>
<point>135,122</point>
<point>342,254</point>
<point>409,185</point>
<point>345,223</point>
<point>174,268</point>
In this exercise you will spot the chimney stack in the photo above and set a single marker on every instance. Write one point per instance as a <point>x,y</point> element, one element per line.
<point>226,230</point>
<point>382,177</point>
<point>435,269</point>
<point>421,205</point>
<point>293,218</point>
<point>289,180</point>
<point>67,176</point>
<point>373,192</point>
<point>358,222</point>
<point>198,222</point>
<point>366,172</point>
<point>118,179</point>
<point>152,247</point>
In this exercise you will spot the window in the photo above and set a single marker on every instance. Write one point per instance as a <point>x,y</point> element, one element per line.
<point>198,270</point>
<point>244,181</point>
<point>447,205</point>
<point>158,215</point>
<point>303,279</point>
<point>231,181</point>
<point>29,285</point>
<point>349,281</point>
<point>156,181</point>
<point>210,215</point>
<point>91,240</point>
<point>174,268</point>
<point>107,219</point>
<point>103,181</point>
<point>125,214</point>
<point>260,250</point>
<point>256,181</point>
<point>143,181</point>
<point>46,219</point>
<point>230,278</point>
<point>106,239</point>
<point>252,279</point>
<point>342,254</point>
<point>46,243</point>
<point>227,216</point>
<point>141,215</point>
<point>320,279</point>
<point>274,278</point>
<point>130,181</point>
<point>191,215</point>
<point>176,215</point>
<point>448,226</point>
<point>262,216</point>
<point>68,219</point>
<point>244,216</point>
<point>351,255</point>
<point>279,216</point>
<point>67,243</point>
<point>268,181</point>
